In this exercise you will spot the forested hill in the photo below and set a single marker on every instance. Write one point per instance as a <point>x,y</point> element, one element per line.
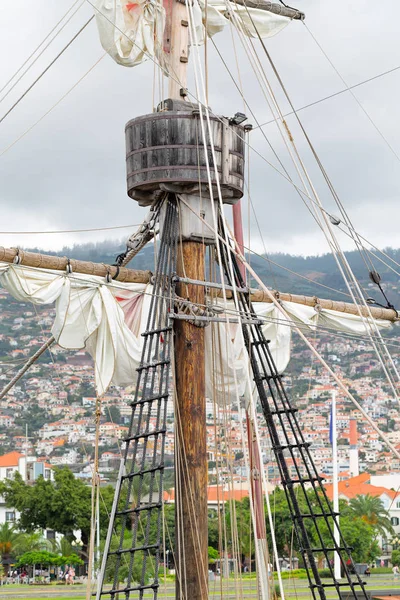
<point>317,269</point>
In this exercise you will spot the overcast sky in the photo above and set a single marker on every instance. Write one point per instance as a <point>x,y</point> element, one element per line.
<point>69,171</point>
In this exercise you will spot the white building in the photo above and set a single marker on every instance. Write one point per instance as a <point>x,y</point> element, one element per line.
<point>29,469</point>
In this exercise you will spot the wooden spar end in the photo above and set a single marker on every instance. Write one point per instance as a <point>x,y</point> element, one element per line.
<point>60,263</point>
<point>385,314</point>
<point>273,7</point>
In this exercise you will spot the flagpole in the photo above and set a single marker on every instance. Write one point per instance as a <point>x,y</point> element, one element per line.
<point>335,484</point>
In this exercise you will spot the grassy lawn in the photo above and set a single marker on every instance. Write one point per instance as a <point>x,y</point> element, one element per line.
<point>295,589</point>
<point>83,597</point>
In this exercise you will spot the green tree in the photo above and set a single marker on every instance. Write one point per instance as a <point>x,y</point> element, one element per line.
<point>8,544</point>
<point>213,529</point>
<point>62,546</point>
<point>371,510</point>
<point>13,543</point>
<point>169,523</point>
<point>63,505</point>
<point>32,541</point>
<point>114,414</point>
<point>396,557</point>
<point>238,519</point>
<point>213,555</point>
<point>357,533</point>
<point>142,566</point>
<point>44,557</point>
<point>34,416</point>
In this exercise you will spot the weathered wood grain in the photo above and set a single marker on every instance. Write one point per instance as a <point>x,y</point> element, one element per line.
<point>386,314</point>
<point>274,7</point>
<point>191,442</point>
<point>167,148</point>
<point>59,263</point>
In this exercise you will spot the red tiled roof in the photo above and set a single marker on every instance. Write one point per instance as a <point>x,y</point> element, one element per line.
<point>10,459</point>
<point>214,494</point>
<point>359,486</point>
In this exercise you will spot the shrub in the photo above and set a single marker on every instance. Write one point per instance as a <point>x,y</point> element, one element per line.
<point>294,574</point>
<point>325,573</point>
<point>381,570</point>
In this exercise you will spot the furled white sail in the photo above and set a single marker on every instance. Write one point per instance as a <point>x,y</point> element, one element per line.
<point>107,319</point>
<point>88,315</point>
<point>133,30</point>
<point>130,31</point>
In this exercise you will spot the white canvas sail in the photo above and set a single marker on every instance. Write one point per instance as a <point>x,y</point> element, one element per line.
<point>107,319</point>
<point>132,31</point>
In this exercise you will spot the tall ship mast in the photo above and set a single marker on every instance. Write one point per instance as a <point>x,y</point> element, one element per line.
<point>202,325</point>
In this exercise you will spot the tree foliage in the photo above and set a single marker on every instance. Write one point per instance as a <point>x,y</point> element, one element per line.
<point>396,558</point>
<point>48,558</point>
<point>13,543</point>
<point>63,505</point>
<point>142,566</point>
<point>371,510</point>
<point>114,414</point>
<point>34,416</point>
<point>358,534</point>
<point>213,554</point>
<point>238,525</point>
<point>8,542</point>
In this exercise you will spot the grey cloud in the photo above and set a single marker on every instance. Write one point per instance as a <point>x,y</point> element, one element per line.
<point>69,170</point>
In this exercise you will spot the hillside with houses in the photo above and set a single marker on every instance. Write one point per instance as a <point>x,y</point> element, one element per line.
<point>49,414</point>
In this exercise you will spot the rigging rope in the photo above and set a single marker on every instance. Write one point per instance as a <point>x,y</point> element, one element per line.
<point>348,88</point>
<point>51,377</point>
<point>370,119</point>
<point>145,233</point>
<point>285,171</point>
<point>39,55</point>
<point>364,256</point>
<point>172,76</point>
<point>20,137</point>
<point>278,411</point>
<point>41,44</point>
<point>26,366</point>
<point>356,239</point>
<point>46,69</point>
<point>324,364</point>
<point>199,78</point>
<point>99,493</point>
<point>340,258</point>
<point>57,231</point>
<point>308,343</point>
<point>146,436</point>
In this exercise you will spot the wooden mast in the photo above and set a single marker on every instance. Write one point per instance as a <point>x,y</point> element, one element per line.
<point>191,529</point>
<point>191,472</point>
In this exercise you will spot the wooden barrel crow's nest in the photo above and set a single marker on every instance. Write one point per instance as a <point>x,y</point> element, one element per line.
<point>165,151</point>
